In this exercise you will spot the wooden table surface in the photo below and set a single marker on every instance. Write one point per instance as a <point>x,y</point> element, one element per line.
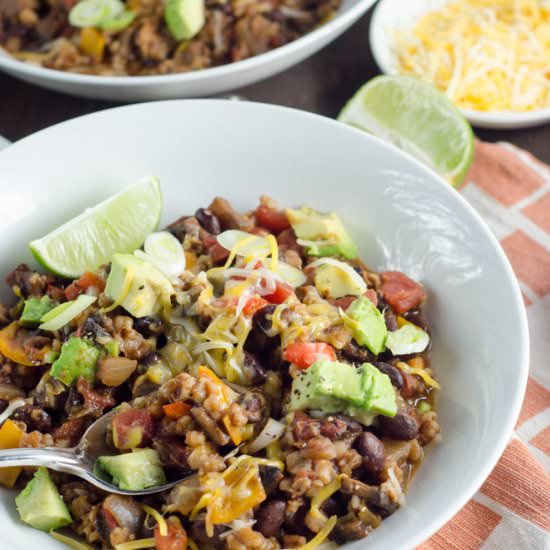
<point>321,84</point>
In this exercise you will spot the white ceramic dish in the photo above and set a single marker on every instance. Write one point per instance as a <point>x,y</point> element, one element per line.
<point>391,14</point>
<point>401,215</point>
<point>192,84</point>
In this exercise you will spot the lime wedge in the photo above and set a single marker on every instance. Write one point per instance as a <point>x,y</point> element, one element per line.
<point>118,224</point>
<point>417,118</point>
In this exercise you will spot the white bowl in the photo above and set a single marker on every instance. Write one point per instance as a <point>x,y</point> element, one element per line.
<point>391,14</point>
<point>401,215</point>
<point>192,84</point>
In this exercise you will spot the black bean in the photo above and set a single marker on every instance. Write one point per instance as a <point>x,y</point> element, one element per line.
<point>372,451</point>
<point>270,517</point>
<point>208,220</point>
<point>36,418</point>
<point>270,476</point>
<point>401,426</point>
<point>350,530</point>
<point>254,403</point>
<point>198,534</point>
<point>393,372</point>
<point>296,523</point>
<point>253,369</point>
<point>258,341</point>
<point>356,353</point>
<point>149,326</point>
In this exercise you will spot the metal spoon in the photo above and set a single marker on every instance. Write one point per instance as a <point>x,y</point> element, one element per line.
<point>79,460</point>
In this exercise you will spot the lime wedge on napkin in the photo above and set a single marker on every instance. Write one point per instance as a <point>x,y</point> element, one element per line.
<point>118,224</point>
<point>417,118</point>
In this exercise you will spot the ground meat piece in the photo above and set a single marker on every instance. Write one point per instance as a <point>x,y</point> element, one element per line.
<point>248,539</point>
<point>304,427</point>
<point>173,453</point>
<point>36,439</point>
<point>82,500</point>
<point>151,44</point>
<point>228,217</point>
<point>356,353</point>
<point>412,386</point>
<point>35,418</point>
<point>254,405</point>
<point>429,427</point>
<point>319,448</point>
<point>70,432</point>
<point>36,346</point>
<point>339,427</point>
<point>4,315</point>
<point>132,344</point>
<point>27,282</point>
<point>94,400</point>
<point>254,35</point>
<point>64,55</point>
<point>209,425</point>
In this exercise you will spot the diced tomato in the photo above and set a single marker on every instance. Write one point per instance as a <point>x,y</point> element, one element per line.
<point>254,304</point>
<point>282,292</point>
<point>401,292</point>
<point>176,410</point>
<point>73,291</point>
<point>133,428</point>
<point>176,539</point>
<point>89,279</point>
<point>372,296</point>
<point>304,354</point>
<point>217,252</point>
<point>274,220</point>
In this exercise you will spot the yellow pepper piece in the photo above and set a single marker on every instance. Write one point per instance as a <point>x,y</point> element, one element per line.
<point>11,345</point>
<point>92,43</point>
<point>10,437</point>
<point>245,491</point>
<point>235,432</point>
<point>401,321</point>
<point>207,373</point>
<point>190,259</point>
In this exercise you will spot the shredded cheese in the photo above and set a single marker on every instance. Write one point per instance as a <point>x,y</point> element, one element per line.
<point>419,372</point>
<point>272,241</point>
<point>161,522</point>
<point>486,55</point>
<point>126,285</point>
<point>322,495</point>
<point>192,544</point>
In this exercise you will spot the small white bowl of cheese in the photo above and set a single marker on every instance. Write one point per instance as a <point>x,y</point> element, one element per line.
<point>492,62</point>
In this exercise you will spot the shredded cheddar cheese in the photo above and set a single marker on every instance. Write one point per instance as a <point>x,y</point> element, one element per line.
<point>485,55</point>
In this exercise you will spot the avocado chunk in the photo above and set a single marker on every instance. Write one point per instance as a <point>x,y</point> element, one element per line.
<point>34,309</point>
<point>136,285</point>
<point>184,18</point>
<point>321,234</point>
<point>40,505</point>
<point>331,386</point>
<point>78,358</point>
<point>367,324</point>
<point>133,471</point>
<point>379,395</point>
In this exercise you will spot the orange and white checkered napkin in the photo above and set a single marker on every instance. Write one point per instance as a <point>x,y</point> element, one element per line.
<point>510,189</point>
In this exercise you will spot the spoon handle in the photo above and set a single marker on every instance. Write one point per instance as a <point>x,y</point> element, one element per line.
<point>59,459</point>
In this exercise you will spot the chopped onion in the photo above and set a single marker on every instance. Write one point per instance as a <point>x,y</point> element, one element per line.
<point>237,525</point>
<point>292,275</point>
<point>64,313</point>
<point>114,371</point>
<point>15,404</point>
<point>255,245</point>
<point>273,430</point>
<point>346,268</point>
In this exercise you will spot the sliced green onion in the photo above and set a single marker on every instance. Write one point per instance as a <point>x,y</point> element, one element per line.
<point>90,13</point>
<point>165,252</point>
<point>408,339</point>
<point>252,245</point>
<point>64,313</point>
<point>118,23</point>
<point>291,274</point>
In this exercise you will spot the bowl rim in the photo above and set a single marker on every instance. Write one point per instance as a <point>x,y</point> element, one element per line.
<point>341,19</point>
<point>523,345</point>
<point>379,43</point>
